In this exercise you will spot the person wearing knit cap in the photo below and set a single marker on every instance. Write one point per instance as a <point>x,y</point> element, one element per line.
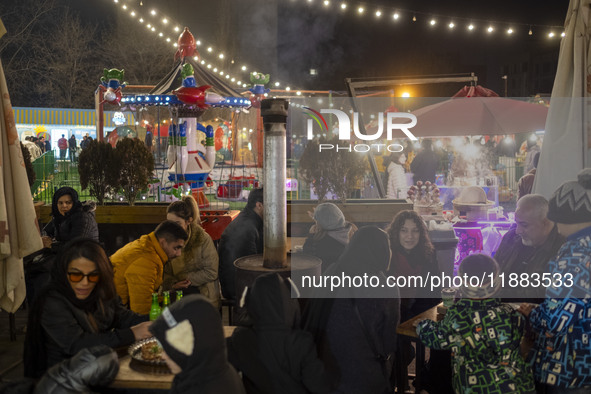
<point>191,335</point>
<point>483,334</point>
<point>563,321</point>
<point>329,235</point>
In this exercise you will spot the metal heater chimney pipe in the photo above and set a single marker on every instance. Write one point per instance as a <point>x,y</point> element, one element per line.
<point>274,113</point>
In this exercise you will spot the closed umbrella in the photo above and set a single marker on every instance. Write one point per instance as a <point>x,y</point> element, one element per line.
<point>566,143</point>
<point>471,115</point>
<point>19,231</point>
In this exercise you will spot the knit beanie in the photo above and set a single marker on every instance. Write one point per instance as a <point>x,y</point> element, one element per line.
<point>571,202</point>
<point>476,270</point>
<point>329,217</point>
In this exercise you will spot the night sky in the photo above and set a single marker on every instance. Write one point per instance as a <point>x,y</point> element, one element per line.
<point>337,45</point>
<point>287,38</point>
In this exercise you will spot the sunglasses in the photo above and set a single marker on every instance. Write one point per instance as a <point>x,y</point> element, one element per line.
<point>93,277</point>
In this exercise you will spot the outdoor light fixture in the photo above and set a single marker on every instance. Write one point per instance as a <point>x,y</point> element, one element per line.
<point>451,25</point>
<point>176,28</point>
<point>132,13</point>
<point>396,16</point>
<point>221,55</point>
<point>343,6</point>
<point>277,84</point>
<point>433,22</point>
<point>165,21</point>
<point>551,34</point>
<point>490,29</point>
<point>378,13</point>
<point>209,49</point>
<point>470,27</point>
<point>510,31</point>
<point>326,3</point>
<point>360,10</point>
<point>198,42</point>
<point>153,12</point>
<point>243,68</point>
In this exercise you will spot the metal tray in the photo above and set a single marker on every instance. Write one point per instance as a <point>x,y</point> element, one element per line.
<point>135,351</point>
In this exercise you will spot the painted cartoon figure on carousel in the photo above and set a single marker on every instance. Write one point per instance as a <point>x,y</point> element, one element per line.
<point>111,85</point>
<point>258,90</point>
<point>190,94</point>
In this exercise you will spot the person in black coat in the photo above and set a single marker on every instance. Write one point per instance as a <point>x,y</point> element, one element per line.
<point>191,334</point>
<point>70,219</point>
<point>329,235</point>
<point>275,355</point>
<point>78,309</point>
<point>242,237</point>
<point>355,331</point>
<point>425,164</point>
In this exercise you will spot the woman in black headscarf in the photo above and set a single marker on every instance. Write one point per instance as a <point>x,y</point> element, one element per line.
<point>70,219</point>
<point>78,309</point>
<point>356,334</point>
<point>191,334</point>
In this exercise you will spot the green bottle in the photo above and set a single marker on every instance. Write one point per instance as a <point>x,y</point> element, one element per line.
<point>166,302</point>
<point>155,310</point>
<point>179,295</point>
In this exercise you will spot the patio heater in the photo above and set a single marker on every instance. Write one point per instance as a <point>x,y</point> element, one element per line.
<point>275,257</point>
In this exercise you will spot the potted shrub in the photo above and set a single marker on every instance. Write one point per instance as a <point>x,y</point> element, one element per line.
<point>136,165</point>
<point>98,168</point>
<point>329,170</point>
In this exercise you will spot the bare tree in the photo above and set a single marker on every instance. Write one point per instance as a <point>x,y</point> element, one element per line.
<point>21,19</point>
<point>68,68</point>
<point>145,57</point>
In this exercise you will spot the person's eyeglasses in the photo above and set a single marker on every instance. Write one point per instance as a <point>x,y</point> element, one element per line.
<point>93,277</point>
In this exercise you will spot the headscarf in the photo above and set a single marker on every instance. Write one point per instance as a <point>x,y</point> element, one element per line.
<point>76,204</point>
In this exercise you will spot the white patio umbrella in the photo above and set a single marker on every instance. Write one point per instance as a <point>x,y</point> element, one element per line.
<point>19,231</point>
<point>566,143</point>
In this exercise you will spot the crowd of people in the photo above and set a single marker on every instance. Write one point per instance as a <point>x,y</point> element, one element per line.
<point>343,344</point>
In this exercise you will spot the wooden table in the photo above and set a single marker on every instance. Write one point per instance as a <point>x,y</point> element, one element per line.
<point>130,379</point>
<point>408,329</point>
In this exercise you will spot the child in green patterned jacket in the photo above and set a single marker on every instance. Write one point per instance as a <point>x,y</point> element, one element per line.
<point>483,334</point>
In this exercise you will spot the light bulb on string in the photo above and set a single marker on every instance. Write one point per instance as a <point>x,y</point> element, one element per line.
<point>470,27</point>
<point>490,29</point>
<point>396,16</point>
<point>378,13</point>
<point>530,32</point>
<point>433,22</point>
<point>343,6</point>
<point>414,18</point>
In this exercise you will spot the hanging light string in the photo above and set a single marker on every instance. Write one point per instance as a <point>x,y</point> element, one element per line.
<point>470,25</point>
<point>168,30</point>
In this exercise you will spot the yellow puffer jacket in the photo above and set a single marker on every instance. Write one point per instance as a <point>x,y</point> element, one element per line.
<point>138,272</point>
<point>199,263</point>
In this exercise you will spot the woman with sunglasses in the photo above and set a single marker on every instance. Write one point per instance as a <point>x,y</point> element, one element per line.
<point>78,309</point>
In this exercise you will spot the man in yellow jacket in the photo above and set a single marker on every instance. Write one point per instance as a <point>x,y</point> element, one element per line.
<point>138,266</point>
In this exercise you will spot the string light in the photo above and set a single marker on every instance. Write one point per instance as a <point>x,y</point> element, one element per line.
<point>326,3</point>
<point>343,6</point>
<point>510,31</point>
<point>360,10</point>
<point>490,29</point>
<point>433,22</point>
<point>470,27</point>
<point>530,32</point>
<point>414,18</point>
<point>551,34</point>
<point>451,25</point>
<point>165,21</point>
<point>153,12</point>
<point>378,13</point>
<point>395,16</point>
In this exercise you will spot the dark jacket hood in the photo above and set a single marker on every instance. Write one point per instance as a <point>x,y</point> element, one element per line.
<point>270,305</point>
<point>191,334</point>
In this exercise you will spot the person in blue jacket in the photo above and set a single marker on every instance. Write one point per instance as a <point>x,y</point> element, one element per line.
<point>562,353</point>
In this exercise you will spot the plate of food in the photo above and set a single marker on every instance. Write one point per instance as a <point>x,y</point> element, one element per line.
<point>147,351</point>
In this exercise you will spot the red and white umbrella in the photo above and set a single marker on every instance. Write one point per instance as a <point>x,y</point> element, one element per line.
<point>467,113</point>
